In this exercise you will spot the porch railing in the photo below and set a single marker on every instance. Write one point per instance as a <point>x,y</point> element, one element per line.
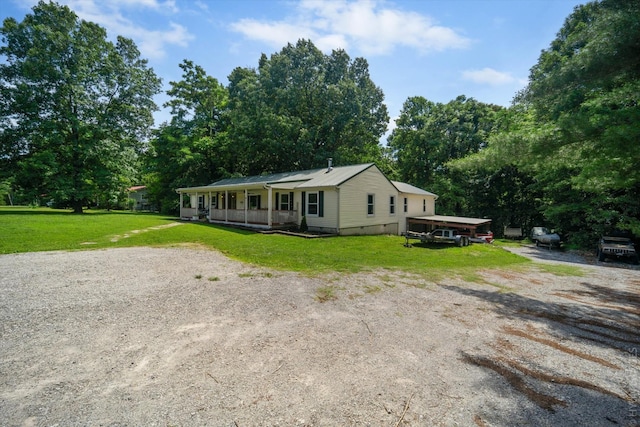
<point>188,212</point>
<point>254,216</point>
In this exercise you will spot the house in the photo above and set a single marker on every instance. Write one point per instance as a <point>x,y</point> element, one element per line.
<point>355,199</point>
<point>138,196</point>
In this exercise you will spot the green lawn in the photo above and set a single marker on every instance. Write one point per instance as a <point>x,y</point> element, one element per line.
<point>27,230</point>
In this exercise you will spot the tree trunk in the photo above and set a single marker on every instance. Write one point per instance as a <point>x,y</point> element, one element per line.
<point>77,206</point>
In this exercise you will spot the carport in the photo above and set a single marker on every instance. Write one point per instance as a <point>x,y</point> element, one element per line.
<point>473,226</point>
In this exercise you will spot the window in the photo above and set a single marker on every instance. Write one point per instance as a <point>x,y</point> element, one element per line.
<point>370,204</point>
<point>200,202</point>
<point>254,201</point>
<point>312,204</point>
<point>284,202</point>
<point>406,204</point>
<point>315,203</point>
<point>392,205</point>
<point>424,205</point>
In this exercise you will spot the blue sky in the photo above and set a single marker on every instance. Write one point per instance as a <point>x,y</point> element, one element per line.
<point>438,49</point>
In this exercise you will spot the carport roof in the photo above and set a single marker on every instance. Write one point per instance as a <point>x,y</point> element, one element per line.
<point>445,219</point>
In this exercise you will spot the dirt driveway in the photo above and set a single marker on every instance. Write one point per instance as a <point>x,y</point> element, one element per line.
<point>187,337</point>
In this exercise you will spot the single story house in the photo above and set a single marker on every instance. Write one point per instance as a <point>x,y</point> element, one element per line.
<point>355,199</point>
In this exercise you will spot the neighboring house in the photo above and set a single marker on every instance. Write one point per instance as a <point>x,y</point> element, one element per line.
<point>356,199</point>
<point>139,196</point>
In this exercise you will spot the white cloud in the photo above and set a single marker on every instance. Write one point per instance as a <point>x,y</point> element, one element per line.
<point>490,76</point>
<point>151,42</point>
<point>364,24</point>
<point>273,33</point>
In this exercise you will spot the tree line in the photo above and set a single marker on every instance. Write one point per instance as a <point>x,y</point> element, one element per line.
<point>76,124</point>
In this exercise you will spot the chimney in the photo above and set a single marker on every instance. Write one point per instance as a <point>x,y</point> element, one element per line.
<point>330,167</point>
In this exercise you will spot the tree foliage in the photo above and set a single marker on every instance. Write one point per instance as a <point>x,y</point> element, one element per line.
<point>574,130</point>
<point>301,107</point>
<point>74,107</point>
<point>429,135</point>
<point>192,149</point>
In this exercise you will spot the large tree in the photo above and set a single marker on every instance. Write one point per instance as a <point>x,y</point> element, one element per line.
<point>301,107</point>
<point>75,107</point>
<point>429,135</point>
<point>192,149</point>
<point>575,128</point>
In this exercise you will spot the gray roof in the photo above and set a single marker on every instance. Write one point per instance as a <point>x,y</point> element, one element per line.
<point>312,178</point>
<point>403,187</point>
<point>453,219</point>
<point>301,179</point>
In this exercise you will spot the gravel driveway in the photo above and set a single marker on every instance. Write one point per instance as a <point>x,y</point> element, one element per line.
<point>187,337</point>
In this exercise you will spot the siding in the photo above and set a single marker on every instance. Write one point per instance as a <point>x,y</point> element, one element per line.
<point>353,200</point>
<point>328,222</point>
<point>414,208</point>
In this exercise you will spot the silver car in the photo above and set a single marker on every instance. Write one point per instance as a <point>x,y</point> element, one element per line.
<point>542,236</point>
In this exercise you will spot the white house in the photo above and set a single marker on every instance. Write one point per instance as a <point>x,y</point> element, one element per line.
<point>356,199</point>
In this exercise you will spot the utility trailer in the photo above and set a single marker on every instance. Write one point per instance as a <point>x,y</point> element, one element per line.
<point>439,235</point>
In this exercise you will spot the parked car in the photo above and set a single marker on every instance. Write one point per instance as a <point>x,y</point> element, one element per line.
<point>542,236</point>
<point>616,247</point>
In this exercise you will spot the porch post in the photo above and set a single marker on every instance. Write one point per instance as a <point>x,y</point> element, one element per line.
<point>226,205</point>
<point>246,205</point>
<point>269,207</point>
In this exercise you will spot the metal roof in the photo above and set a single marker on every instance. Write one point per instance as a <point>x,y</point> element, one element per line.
<point>324,177</point>
<point>312,178</point>
<point>403,187</point>
<point>453,219</point>
<point>335,176</point>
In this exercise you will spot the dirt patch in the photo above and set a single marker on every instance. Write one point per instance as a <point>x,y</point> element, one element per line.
<point>185,336</point>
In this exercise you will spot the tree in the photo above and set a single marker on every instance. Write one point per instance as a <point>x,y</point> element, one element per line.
<point>193,148</point>
<point>301,107</point>
<point>584,92</point>
<point>76,108</point>
<point>574,130</point>
<point>429,135</point>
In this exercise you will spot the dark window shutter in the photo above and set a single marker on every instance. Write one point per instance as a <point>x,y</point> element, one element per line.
<point>277,207</point>
<point>304,202</point>
<point>320,203</point>
<point>291,200</point>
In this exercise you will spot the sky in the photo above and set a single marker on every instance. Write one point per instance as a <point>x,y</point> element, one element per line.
<point>438,49</point>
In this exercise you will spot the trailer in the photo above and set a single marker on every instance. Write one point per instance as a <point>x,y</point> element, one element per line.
<point>438,236</point>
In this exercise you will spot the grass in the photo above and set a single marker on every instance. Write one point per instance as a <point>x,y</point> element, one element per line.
<point>44,229</point>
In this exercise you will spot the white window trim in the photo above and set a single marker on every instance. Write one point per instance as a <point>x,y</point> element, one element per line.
<point>317,203</point>
<point>283,195</point>
<point>372,204</point>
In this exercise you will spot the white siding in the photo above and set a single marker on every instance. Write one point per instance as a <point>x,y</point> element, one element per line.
<point>415,207</point>
<point>329,221</point>
<point>353,202</point>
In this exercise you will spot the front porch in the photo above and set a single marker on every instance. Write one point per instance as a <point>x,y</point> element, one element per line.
<point>239,208</point>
